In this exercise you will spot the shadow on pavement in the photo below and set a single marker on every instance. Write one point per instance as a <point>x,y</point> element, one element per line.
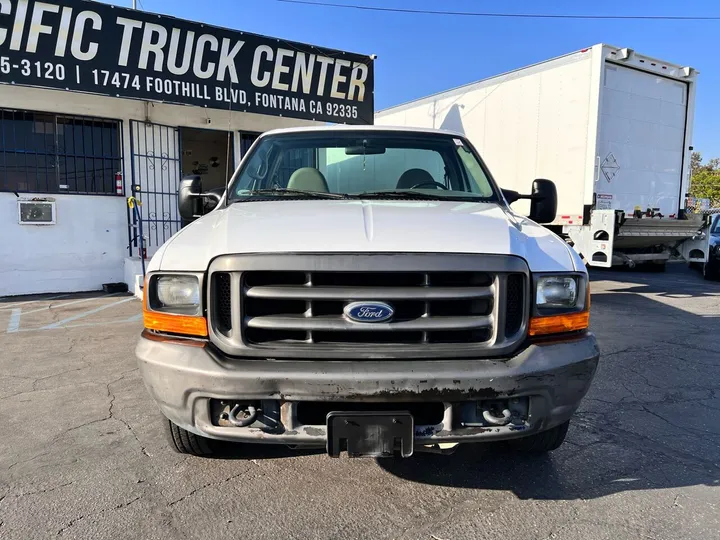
<point>650,421</point>
<point>227,450</point>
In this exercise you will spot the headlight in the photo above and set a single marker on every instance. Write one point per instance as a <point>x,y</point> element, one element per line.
<point>178,292</point>
<point>173,304</point>
<point>556,292</point>
<point>562,304</point>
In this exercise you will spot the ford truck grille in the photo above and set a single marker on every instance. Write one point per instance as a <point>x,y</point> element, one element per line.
<point>439,309</point>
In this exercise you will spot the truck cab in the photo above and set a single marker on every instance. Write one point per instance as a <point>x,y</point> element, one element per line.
<point>367,290</point>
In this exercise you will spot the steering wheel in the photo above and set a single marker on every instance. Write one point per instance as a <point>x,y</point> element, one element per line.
<point>432,183</point>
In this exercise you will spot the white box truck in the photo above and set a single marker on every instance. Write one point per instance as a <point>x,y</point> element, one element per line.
<point>611,127</point>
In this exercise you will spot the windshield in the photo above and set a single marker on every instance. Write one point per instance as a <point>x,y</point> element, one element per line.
<point>362,164</point>
<point>716,226</point>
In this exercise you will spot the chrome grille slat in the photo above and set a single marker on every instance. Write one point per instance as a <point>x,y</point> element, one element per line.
<point>446,305</point>
<point>424,293</point>
<point>336,323</point>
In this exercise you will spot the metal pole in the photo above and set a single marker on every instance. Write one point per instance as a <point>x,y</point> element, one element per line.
<point>134,4</point>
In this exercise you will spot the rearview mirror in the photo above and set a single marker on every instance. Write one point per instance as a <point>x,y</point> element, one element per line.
<point>543,201</point>
<point>364,150</point>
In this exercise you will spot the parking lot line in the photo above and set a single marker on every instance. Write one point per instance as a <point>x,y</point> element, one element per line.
<point>69,303</point>
<point>14,322</point>
<point>85,314</point>
<point>16,304</point>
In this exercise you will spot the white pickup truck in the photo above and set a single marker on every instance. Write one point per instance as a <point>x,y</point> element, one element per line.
<point>366,290</point>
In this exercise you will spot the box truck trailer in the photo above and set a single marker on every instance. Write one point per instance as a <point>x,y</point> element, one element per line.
<point>611,127</point>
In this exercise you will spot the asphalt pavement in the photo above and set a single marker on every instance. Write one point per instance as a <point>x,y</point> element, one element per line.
<point>83,454</point>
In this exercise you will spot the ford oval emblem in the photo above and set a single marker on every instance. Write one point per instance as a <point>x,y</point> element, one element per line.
<point>371,312</point>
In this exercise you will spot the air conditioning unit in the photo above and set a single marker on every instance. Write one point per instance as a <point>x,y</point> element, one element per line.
<point>36,212</point>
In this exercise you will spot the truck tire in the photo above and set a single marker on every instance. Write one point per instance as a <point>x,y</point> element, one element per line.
<point>545,441</point>
<point>185,442</point>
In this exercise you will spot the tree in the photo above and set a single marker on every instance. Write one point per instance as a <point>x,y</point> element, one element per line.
<point>705,181</point>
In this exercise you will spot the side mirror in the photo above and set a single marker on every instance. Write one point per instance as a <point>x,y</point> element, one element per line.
<point>543,201</point>
<point>511,196</point>
<point>189,200</point>
<point>192,202</point>
<point>212,198</point>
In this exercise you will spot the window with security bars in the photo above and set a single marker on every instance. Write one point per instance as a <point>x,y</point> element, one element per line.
<point>291,161</point>
<point>49,153</point>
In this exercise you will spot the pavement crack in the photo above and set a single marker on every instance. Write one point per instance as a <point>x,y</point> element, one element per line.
<point>28,460</point>
<point>615,435</point>
<point>45,490</point>
<point>690,346</point>
<point>209,484</point>
<point>85,424</point>
<point>686,429</point>
<point>72,522</point>
<point>112,415</point>
<point>36,381</point>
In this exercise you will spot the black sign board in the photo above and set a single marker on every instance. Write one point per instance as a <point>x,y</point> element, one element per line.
<point>86,46</point>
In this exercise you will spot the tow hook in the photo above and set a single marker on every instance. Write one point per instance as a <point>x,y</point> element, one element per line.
<point>248,415</point>
<point>490,417</point>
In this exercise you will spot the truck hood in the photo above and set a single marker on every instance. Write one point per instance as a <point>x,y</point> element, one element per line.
<point>363,226</point>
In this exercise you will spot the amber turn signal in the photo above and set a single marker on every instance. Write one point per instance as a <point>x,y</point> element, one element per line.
<point>556,324</point>
<point>175,324</point>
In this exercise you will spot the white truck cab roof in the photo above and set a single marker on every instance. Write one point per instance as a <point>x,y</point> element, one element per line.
<point>331,128</point>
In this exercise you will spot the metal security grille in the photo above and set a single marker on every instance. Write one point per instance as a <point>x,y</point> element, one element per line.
<point>156,174</point>
<point>246,141</point>
<point>291,161</point>
<point>48,153</point>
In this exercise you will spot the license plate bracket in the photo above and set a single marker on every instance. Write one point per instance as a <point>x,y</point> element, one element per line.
<point>370,434</point>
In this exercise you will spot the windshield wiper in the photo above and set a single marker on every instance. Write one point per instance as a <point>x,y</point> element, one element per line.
<point>290,191</point>
<point>402,194</point>
<point>412,194</point>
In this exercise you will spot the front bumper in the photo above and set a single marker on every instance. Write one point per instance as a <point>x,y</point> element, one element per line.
<point>183,380</point>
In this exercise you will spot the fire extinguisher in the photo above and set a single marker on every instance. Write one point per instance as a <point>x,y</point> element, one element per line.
<point>118,183</point>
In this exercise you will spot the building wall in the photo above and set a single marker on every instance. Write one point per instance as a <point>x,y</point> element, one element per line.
<point>88,244</point>
<point>84,249</point>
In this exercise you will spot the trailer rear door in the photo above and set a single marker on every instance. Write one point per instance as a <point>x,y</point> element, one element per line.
<point>641,141</point>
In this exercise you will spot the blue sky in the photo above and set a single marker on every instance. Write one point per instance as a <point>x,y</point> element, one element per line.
<point>422,54</point>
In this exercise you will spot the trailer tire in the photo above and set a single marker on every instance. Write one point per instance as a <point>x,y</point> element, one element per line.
<point>658,266</point>
<point>710,272</point>
<point>185,442</point>
<point>540,443</point>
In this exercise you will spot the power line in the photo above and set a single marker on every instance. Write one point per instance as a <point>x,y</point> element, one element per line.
<point>506,15</point>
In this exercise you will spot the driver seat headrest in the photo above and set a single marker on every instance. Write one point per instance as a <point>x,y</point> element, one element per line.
<point>308,179</point>
<point>413,177</point>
